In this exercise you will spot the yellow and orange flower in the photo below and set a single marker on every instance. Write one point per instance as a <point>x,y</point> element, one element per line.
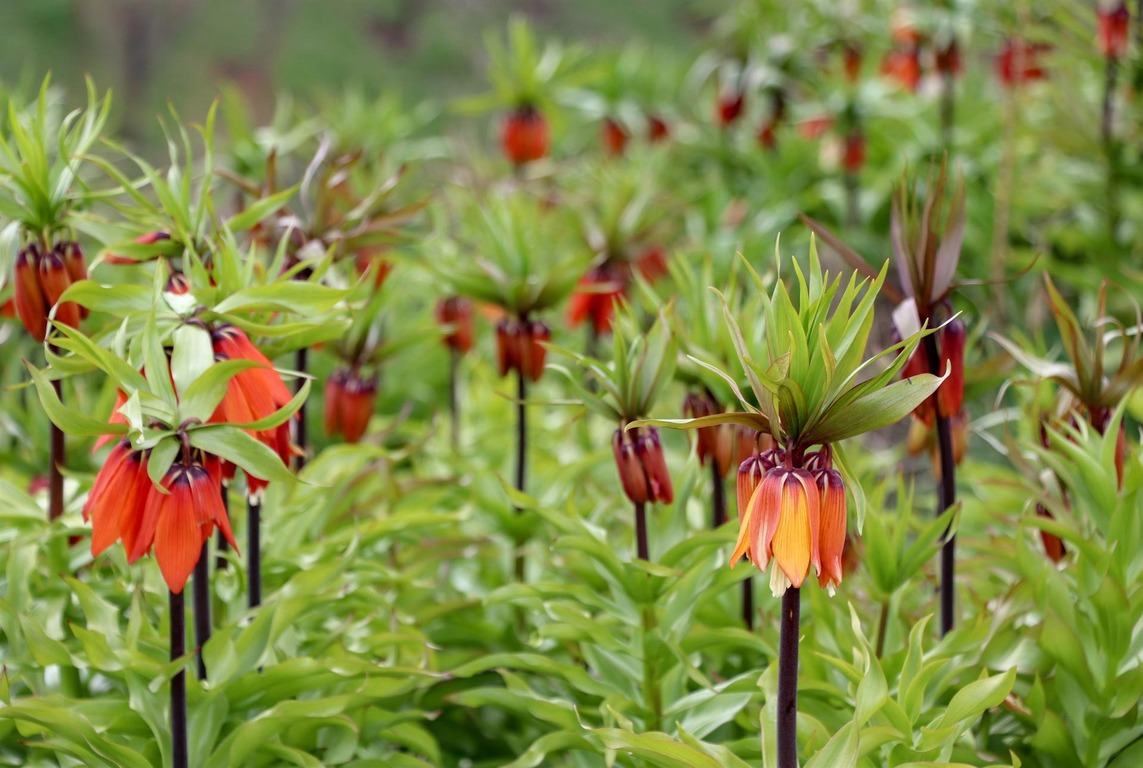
<point>793,517</point>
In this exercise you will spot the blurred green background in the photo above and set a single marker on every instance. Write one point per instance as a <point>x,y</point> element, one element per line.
<point>152,51</point>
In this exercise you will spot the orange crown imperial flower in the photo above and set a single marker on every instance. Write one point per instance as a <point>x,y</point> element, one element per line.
<point>251,395</point>
<point>124,505</point>
<point>793,516</point>
<point>349,399</point>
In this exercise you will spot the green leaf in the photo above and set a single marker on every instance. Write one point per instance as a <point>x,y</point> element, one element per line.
<point>206,391</point>
<point>873,411</point>
<point>68,420</point>
<point>237,447</point>
<point>191,356</point>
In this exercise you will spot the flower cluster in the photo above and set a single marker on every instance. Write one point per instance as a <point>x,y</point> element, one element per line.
<point>520,346</point>
<point>455,314</point>
<point>349,399</point>
<point>642,466</point>
<point>175,520</point>
<point>793,513</point>
<point>42,276</point>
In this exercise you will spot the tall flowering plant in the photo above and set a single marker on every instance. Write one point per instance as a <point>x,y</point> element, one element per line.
<point>513,254</point>
<point>626,388</point>
<point>42,192</point>
<point>160,487</point>
<point>811,388</point>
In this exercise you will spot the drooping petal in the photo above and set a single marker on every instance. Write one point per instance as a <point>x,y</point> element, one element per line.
<point>831,539</point>
<point>766,513</point>
<point>178,533</point>
<point>791,544</point>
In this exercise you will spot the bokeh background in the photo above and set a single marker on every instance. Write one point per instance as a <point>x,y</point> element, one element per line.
<point>149,51</point>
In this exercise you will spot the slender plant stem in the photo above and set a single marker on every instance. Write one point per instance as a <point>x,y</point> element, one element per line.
<point>302,365</point>
<point>948,110</point>
<point>788,679</point>
<point>254,547</point>
<point>1109,149</point>
<point>56,462</point>
<point>202,606</point>
<point>178,683</point>
<point>652,695</point>
<point>221,544</point>
<point>882,627</point>
<point>947,492</point>
<point>852,213</point>
<point>642,546</point>
<point>718,496</point>
<point>592,345</point>
<point>454,397</point>
<point>521,457</point>
<point>748,601</point>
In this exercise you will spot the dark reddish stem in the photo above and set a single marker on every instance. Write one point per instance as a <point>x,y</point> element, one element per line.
<point>521,457</point>
<point>301,364</point>
<point>56,460</point>
<point>254,545</point>
<point>202,605</point>
<point>221,544</point>
<point>718,497</point>
<point>454,397</point>
<point>178,683</point>
<point>788,679</point>
<point>947,492</point>
<point>642,545</point>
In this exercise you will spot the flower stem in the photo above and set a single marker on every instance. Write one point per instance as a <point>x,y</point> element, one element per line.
<point>748,602</point>
<point>221,544</point>
<point>301,364</point>
<point>718,496</point>
<point>202,605</point>
<point>178,683</point>
<point>882,627</point>
<point>56,461</point>
<point>947,491</point>
<point>454,398</point>
<point>642,546</point>
<point>852,214</point>
<point>521,456</point>
<point>948,109</point>
<point>254,545</point>
<point>788,679</point>
<point>652,695</point>
<point>1107,134</point>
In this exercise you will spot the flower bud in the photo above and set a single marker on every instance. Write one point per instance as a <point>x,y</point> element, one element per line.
<point>1113,30</point>
<point>535,335</point>
<point>729,108</point>
<point>831,537</point>
<point>631,475</point>
<point>54,279</point>
<point>456,313</point>
<point>524,135</point>
<point>853,158</point>
<point>950,395</point>
<point>178,283</point>
<point>507,345</point>
<point>657,129</point>
<point>31,304</point>
<point>615,137</point>
<point>650,453</point>
<point>357,402</point>
<point>1053,545</point>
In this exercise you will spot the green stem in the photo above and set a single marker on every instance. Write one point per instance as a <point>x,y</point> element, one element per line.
<point>652,695</point>
<point>882,627</point>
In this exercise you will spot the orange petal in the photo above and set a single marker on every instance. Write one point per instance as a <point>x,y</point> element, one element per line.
<point>178,535</point>
<point>791,542</point>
